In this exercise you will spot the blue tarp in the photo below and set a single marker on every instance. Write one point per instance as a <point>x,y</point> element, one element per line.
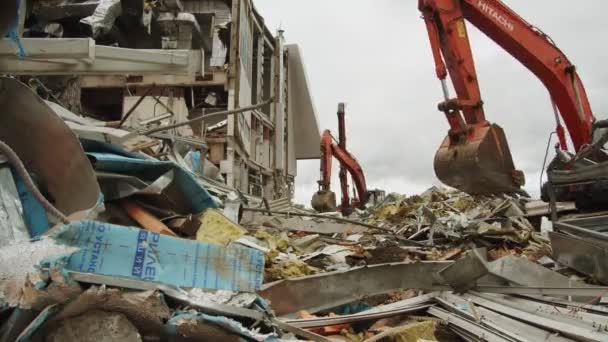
<point>135,253</point>
<point>186,192</point>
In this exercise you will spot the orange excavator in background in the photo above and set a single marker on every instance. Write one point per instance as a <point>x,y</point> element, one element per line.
<point>475,156</point>
<point>324,200</point>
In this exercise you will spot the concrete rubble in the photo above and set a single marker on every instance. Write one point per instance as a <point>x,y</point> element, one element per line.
<point>111,233</point>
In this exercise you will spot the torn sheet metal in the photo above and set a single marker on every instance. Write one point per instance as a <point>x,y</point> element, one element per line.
<point>183,195</point>
<point>213,328</point>
<point>495,321</point>
<point>129,140</point>
<point>589,291</point>
<point>328,290</point>
<point>467,272</point>
<point>221,13</point>
<point>469,330</point>
<point>298,224</point>
<point>235,299</point>
<point>50,150</point>
<point>568,323</point>
<point>175,293</point>
<point>12,224</point>
<point>551,310</point>
<point>540,208</point>
<point>521,271</point>
<point>394,309</point>
<point>116,186</point>
<point>134,253</point>
<point>463,274</point>
<point>102,19</point>
<point>584,255</point>
<point>91,129</point>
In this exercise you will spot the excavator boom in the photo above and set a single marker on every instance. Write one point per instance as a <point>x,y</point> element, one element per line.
<point>475,156</point>
<point>324,199</point>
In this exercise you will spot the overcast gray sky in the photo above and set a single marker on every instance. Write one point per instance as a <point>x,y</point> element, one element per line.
<point>375,56</point>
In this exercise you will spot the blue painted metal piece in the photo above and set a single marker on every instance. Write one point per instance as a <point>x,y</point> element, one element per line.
<point>189,192</point>
<point>34,214</point>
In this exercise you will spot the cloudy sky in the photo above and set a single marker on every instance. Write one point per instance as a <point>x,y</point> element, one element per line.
<point>375,56</point>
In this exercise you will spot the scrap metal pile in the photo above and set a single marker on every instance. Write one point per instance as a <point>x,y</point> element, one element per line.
<point>111,235</point>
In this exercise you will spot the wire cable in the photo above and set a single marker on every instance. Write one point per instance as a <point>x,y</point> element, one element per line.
<point>542,171</point>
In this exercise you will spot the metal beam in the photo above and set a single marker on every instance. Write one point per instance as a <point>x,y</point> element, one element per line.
<point>328,290</point>
<point>388,310</point>
<point>594,291</point>
<point>553,322</point>
<point>482,333</point>
<point>47,56</point>
<point>47,48</point>
<point>496,322</point>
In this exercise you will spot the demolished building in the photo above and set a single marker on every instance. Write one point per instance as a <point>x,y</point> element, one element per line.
<point>153,64</point>
<point>115,227</point>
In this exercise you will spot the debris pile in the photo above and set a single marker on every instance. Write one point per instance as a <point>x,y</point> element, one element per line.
<point>108,234</point>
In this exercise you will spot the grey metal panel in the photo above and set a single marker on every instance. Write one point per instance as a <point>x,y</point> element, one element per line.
<point>595,223</point>
<point>324,291</point>
<point>581,254</point>
<point>497,322</point>
<point>553,321</point>
<point>467,328</point>
<point>302,107</point>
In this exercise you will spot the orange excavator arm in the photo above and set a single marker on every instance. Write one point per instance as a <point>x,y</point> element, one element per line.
<point>325,199</point>
<point>356,172</point>
<point>475,156</point>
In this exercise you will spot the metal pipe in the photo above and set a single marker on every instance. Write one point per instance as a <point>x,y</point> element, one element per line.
<point>202,117</point>
<point>341,126</point>
<point>132,109</point>
<point>343,175</point>
<point>446,91</point>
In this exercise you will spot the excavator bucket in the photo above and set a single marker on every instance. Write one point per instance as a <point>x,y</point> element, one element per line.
<point>324,201</point>
<point>481,165</point>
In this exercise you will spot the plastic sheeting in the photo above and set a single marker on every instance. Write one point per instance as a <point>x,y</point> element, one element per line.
<point>12,225</point>
<point>134,253</point>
